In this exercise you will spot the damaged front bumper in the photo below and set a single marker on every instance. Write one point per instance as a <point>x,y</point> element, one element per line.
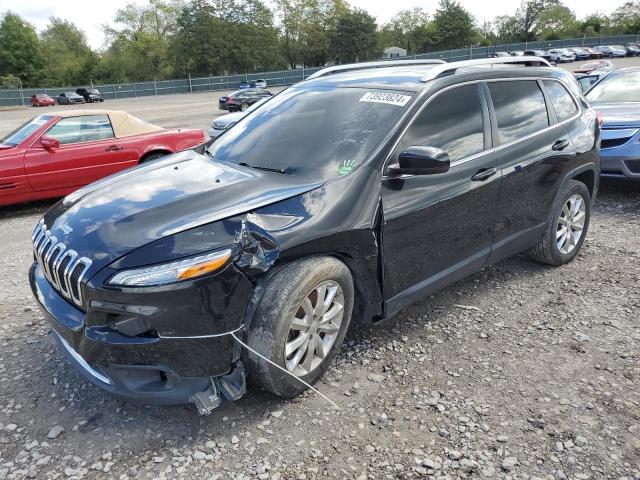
<point>162,346</point>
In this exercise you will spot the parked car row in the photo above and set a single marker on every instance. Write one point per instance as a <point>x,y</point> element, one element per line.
<point>571,54</point>
<point>81,95</point>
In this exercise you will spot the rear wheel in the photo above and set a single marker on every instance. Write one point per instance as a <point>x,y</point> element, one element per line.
<point>152,156</point>
<point>300,324</point>
<point>566,226</point>
<point>244,106</point>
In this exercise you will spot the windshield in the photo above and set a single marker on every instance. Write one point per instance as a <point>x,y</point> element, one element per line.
<point>22,133</point>
<point>617,89</point>
<point>314,131</point>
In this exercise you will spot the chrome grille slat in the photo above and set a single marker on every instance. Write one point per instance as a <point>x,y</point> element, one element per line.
<point>58,263</point>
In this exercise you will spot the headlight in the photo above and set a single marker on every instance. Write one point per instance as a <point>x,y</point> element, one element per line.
<point>172,272</point>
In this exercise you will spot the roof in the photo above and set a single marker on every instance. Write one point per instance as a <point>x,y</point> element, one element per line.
<point>123,123</point>
<point>413,75</point>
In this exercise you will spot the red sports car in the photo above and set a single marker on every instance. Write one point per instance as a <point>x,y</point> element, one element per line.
<point>42,100</point>
<point>53,155</point>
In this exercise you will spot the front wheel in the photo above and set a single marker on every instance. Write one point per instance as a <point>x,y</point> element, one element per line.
<point>300,324</point>
<point>566,226</point>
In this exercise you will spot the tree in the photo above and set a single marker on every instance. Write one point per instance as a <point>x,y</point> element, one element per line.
<point>596,22</point>
<point>20,52</point>
<point>454,26</point>
<point>405,29</point>
<point>142,35</point>
<point>508,28</point>
<point>68,58</point>
<point>558,22</point>
<point>626,19</point>
<point>355,38</point>
<point>306,27</point>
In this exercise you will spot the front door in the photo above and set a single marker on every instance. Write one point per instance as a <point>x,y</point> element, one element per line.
<point>88,151</point>
<point>438,228</point>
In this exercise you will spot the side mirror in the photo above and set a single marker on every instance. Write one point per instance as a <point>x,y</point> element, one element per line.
<point>421,161</point>
<point>49,143</point>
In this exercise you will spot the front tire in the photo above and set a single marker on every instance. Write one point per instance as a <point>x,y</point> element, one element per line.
<point>300,324</point>
<point>566,226</point>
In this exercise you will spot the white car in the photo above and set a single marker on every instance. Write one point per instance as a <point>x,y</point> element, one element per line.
<point>222,123</point>
<point>562,55</point>
<point>261,83</point>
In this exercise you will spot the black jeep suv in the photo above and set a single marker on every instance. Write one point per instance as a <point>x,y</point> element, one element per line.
<point>171,282</point>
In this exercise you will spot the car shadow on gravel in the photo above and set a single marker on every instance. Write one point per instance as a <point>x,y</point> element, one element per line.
<point>25,209</point>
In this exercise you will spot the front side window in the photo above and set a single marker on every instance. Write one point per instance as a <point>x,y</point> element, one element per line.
<point>84,128</point>
<point>520,108</point>
<point>452,121</point>
<point>617,89</point>
<point>313,131</point>
<point>562,102</point>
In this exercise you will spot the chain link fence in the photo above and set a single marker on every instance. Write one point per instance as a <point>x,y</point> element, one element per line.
<point>22,96</point>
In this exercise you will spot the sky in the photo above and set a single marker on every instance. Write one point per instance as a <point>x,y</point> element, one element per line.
<point>91,14</point>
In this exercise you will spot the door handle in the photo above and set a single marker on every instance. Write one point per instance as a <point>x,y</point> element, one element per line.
<point>483,174</point>
<point>560,145</point>
<point>114,148</point>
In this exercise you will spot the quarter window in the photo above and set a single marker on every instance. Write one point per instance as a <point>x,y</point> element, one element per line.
<point>520,108</point>
<point>561,100</point>
<point>84,128</point>
<point>452,122</point>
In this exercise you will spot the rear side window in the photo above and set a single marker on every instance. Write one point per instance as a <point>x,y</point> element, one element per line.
<point>561,100</point>
<point>451,122</point>
<point>85,128</point>
<point>520,108</point>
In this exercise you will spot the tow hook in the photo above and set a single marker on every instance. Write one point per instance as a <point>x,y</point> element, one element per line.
<point>231,387</point>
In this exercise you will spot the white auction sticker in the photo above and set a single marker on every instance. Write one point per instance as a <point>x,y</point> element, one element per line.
<point>386,97</point>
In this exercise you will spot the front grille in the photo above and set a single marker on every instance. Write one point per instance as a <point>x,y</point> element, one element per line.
<point>613,142</point>
<point>633,165</point>
<point>62,267</point>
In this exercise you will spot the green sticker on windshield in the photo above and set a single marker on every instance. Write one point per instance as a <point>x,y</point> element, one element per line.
<point>347,167</point>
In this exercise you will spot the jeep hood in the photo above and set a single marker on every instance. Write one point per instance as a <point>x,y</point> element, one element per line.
<point>108,219</point>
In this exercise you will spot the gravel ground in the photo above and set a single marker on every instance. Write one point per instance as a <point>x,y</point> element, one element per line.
<point>520,371</point>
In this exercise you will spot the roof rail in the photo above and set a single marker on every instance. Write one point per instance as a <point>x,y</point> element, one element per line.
<point>449,68</point>
<point>352,67</point>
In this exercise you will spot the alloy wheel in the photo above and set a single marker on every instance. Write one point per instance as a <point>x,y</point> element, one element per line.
<point>571,224</point>
<point>314,328</point>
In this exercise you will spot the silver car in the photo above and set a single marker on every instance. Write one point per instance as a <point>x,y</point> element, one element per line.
<point>222,123</point>
<point>617,98</point>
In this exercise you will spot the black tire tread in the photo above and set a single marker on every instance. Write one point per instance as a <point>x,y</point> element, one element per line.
<point>270,317</point>
<point>546,251</point>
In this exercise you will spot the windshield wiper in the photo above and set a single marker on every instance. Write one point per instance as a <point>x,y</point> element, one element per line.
<point>266,169</point>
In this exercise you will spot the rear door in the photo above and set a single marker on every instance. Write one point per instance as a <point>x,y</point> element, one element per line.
<point>535,152</point>
<point>88,151</point>
<point>437,228</point>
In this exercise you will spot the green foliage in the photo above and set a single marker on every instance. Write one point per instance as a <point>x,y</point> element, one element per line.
<point>160,39</point>
<point>355,37</point>
<point>558,22</point>
<point>407,29</point>
<point>9,81</point>
<point>20,53</point>
<point>626,19</point>
<point>453,25</point>
<point>68,60</point>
